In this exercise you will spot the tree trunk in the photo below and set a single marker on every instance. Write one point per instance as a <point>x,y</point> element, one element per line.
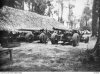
<point>61,20</point>
<point>49,13</point>
<point>32,7</point>
<point>23,4</point>
<point>94,18</point>
<point>29,5</point>
<point>58,16</point>
<point>86,23</point>
<point>97,46</point>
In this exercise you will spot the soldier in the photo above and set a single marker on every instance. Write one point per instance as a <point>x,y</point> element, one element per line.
<point>43,37</point>
<point>75,38</point>
<point>54,38</point>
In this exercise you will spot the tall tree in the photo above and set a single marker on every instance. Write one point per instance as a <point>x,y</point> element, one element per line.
<point>13,3</point>
<point>19,4</point>
<point>49,8</point>
<point>97,46</point>
<point>39,6</point>
<point>70,16</point>
<point>60,19</point>
<point>85,18</point>
<point>94,17</point>
<point>33,4</point>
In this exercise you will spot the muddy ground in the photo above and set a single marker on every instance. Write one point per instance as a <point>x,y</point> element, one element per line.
<point>47,57</point>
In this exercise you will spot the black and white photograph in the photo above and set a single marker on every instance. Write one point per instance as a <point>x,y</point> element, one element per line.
<point>49,35</point>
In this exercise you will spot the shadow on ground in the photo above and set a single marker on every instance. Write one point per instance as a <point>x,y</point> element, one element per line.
<point>71,60</point>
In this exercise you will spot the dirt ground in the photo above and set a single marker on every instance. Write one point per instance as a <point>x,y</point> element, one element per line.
<point>47,57</point>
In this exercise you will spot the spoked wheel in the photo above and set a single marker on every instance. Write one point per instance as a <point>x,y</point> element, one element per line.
<point>54,41</point>
<point>87,40</point>
<point>75,43</point>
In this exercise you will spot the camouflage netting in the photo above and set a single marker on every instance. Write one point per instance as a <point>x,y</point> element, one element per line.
<point>12,19</point>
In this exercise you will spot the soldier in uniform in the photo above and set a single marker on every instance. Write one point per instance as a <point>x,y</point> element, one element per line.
<point>43,37</point>
<point>54,38</point>
<point>75,38</point>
